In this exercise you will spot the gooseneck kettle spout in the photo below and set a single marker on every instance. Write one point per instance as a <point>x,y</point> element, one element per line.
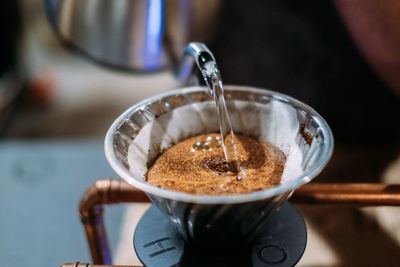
<point>197,57</point>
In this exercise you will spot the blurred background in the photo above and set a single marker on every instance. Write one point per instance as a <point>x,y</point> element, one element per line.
<point>69,68</point>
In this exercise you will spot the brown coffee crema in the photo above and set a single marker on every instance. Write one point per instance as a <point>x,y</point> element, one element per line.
<point>181,168</point>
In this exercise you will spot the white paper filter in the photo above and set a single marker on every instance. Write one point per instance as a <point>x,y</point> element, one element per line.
<point>274,122</point>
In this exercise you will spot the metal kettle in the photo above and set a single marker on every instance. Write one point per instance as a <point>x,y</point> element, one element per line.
<point>134,35</point>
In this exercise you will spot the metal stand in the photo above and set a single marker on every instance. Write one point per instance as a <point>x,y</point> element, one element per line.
<point>106,192</point>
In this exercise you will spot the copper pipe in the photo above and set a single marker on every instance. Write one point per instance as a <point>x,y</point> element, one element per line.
<point>91,212</point>
<point>116,191</point>
<point>81,264</point>
<point>349,194</point>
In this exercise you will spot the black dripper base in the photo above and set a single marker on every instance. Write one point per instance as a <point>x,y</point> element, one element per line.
<point>282,243</point>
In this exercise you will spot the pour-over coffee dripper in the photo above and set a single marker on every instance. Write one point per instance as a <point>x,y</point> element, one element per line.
<point>142,132</point>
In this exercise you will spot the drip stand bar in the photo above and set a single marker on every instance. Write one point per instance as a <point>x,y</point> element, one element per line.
<point>348,194</point>
<point>104,192</point>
